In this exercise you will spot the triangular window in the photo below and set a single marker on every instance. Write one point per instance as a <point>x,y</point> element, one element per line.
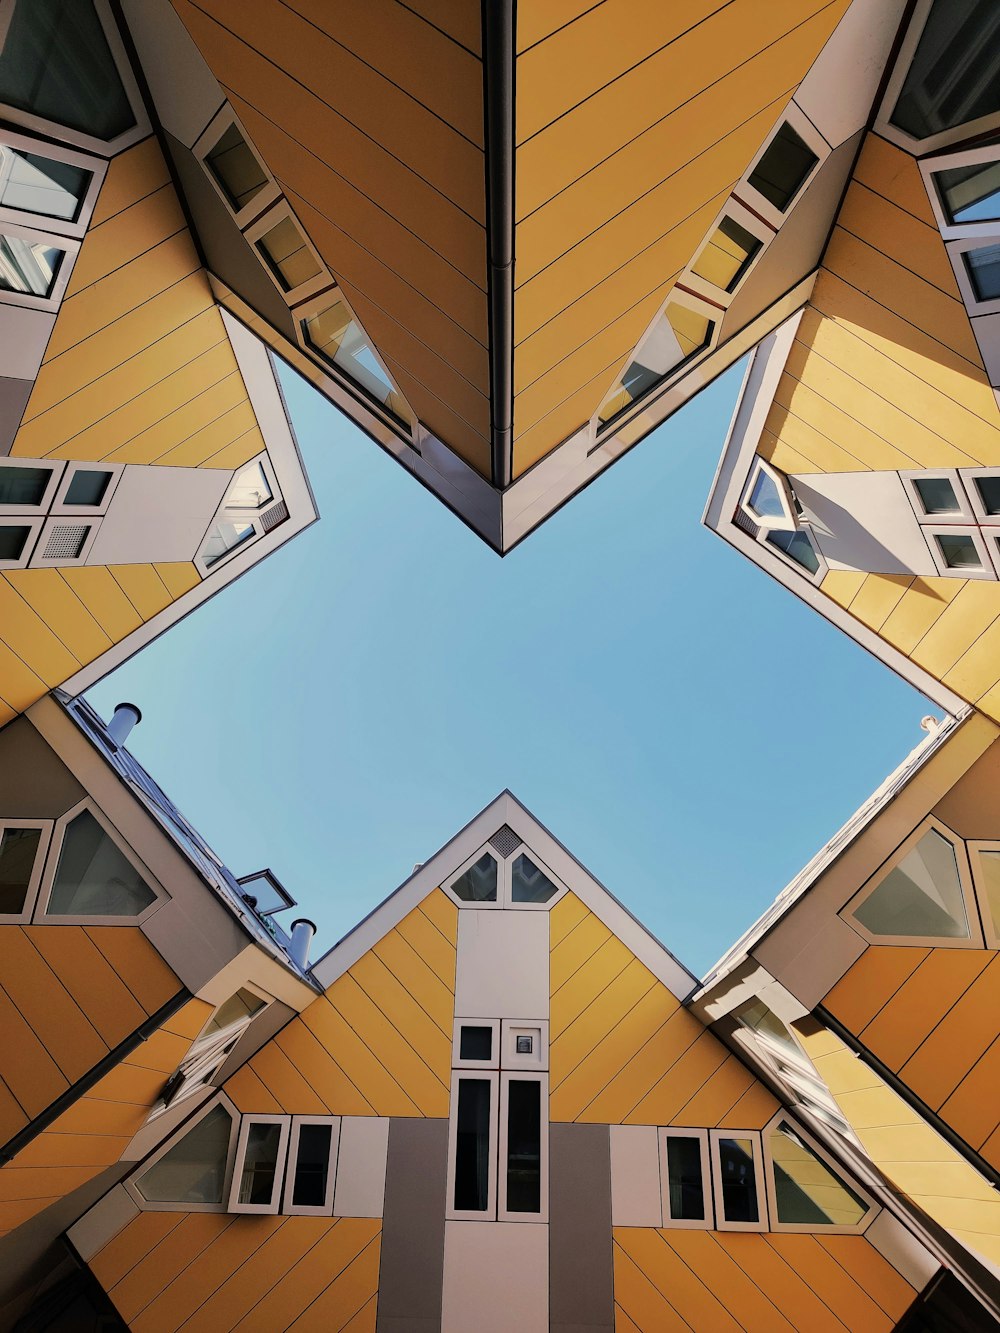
<point>922,897</point>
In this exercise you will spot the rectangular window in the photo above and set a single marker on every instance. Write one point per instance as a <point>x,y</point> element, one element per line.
<point>42,185</point>
<point>312,1165</point>
<point>19,867</point>
<point>260,1160</point>
<point>87,486</point>
<point>739,1185</point>
<point>236,169</point>
<point>13,541</point>
<point>685,1178</point>
<point>783,169</point>
<point>472,1146</point>
<point>24,485</point>
<point>523,1148</point>
<point>730,251</point>
<point>287,255</point>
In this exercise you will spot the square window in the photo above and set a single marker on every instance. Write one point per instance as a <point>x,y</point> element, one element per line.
<point>18,850</point>
<point>958,551</point>
<point>937,495</point>
<point>43,185</point>
<point>13,537</point>
<point>989,493</point>
<point>730,251</point>
<point>782,171</point>
<point>475,1043</point>
<point>87,487</point>
<point>23,485</point>
<point>287,255</point>
<point>28,267</point>
<point>236,169</point>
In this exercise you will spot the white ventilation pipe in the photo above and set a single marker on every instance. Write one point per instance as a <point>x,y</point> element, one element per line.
<point>301,937</point>
<point>120,726</point>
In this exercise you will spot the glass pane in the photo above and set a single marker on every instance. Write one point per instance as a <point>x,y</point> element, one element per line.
<point>225,536</point>
<point>472,1145</point>
<point>806,1190</point>
<point>952,76</point>
<point>970,194</point>
<point>984,271</point>
<point>797,546</point>
<point>780,173</point>
<point>241,1005</point>
<point>727,256</point>
<point>739,1180</point>
<point>989,493</point>
<point>765,498</point>
<point>684,1180</point>
<point>260,1161</point>
<point>758,1018</point>
<point>194,1169</point>
<point>287,255</point>
<point>13,537</point>
<point>29,267</point>
<point>23,485</point>
<point>988,883</point>
<point>958,551</point>
<point>312,1166</point>
<point>333,333</point>
<point>678,335</point>
<point>524,1146</point>
<point>479,883</point>
<point>529,884</point>
<point>93,877</point>
<point>249,489</point>
<point>236,169</point>
<point>56,63</point>
<point>18,848</point>
<point>921,897</point>
<point>41,185</point>
<point>475,1043</point>
<point>937,495</point>
<point>88,487</point>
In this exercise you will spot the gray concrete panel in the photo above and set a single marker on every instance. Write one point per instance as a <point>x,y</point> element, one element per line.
<point>412,1266</point>
<point>581,1280</point>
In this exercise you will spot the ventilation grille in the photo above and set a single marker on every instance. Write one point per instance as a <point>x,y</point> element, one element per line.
<point>66,542</point>
<point>745,522</point>
<point>505,841</point>
<point>273,516</point>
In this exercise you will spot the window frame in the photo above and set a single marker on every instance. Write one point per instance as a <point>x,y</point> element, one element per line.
<point>97,166</point>
<point>59,507</point>
<point>206,142</point>
<point>957,250</point>
<point>969,157</point>
<point>835,1168</point>
<point>663,1133</point>
<point>503,1213</point>
<point>70,247</point>
<point>505,870</point>
<point>750,221</point>
<point>975,848</point>
<point>988,570</point>
<point>252,516</point>
<point>46,827</point>
<point>975,938</point>
<point>965,515</point>
<point>43,917</point>
<point>173,1205</point>
<point>806,529</point>
<point>40,510</point>
<point>745,194</point>
<point>456,1060</point>
<point>273,1206</point>
<point>509,1059</point>
<point>791,519</point>
<point>722,1223</point>
<point>279,211</point>
<point>288,1187</point>
<point>489,1214</point>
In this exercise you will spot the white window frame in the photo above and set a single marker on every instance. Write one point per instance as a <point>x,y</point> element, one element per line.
<point>931,166</point>
<point>52,524</point>
<point>975,938</point>
<point>969,476</point>
<point>278,212</point>
<point>707,1179</point>
<point>45,827</point>
<point>310,1210</point>
<point>41,509</point>
<point>204,144</point>
<point>790,523</point>
<point>239,514</point>
<point>41,148</point>
<point>965,515</point>
<point>975,850</point>
<point>749,221</point>
<point>505,869</point>
<point>274,1203</point>
<point>41,914</point>
<point>816,1228</point>
<point>510,1030</point>
<point>722,1223</point>
<point>988,569</point>
<point>957,251</point>
<point>493,1062</point>
<point>173,1205</point>
<point>59,505</point>
<point>823,568</point>
<point>484,904</point>
<point>22,520</point>
<point>67,244</point>
<point>489,1214</point>
<point>205,1057</point>
<point>505,1214</point>
<point>747,195</point>
<point>883,125</point>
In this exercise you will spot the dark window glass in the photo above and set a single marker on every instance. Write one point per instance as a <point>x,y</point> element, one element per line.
<point>312,1166</point>
<point>18,848</point>
<point>970,194</point>
<point>958,551</point>
<point>56,64</point>
<point>88,487</point>
<point>524,1146</point>
<point>35,184</point>
<point>952,77</point>
<point>989,493</point>
<point>479,883</point>
<point>12,540</point>
<point>937,495</point>
<point>686,1187</point>
<point>781,172</point>
<point>727,256</point>
<point>472,1145</point>
<point>739,1180</point>
<point>476,1043</point>
<point>194,1169</point>
<point>236,169</point>
<point>259,1164</point>
<point>93,878</point>
<point>983,265</point>
<point>797,546</point>
<point>528,884</point>
<point>23,485</point>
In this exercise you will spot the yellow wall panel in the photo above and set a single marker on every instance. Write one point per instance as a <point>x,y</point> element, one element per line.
<point>921,605</point>
<point>19,686</point>
<point>143,587</point>
<point>54,601</point>
<point>91,980</point>
<point>871,982</point>
<point>27,635</point>
<point>132,175</point>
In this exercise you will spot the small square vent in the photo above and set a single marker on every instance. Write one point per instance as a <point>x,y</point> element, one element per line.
<point>505,841</point>
<point>66,541</point>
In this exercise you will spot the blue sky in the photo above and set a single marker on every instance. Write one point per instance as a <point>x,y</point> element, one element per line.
<point>683,724</point>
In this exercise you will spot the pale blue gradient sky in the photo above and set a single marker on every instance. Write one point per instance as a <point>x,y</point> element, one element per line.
<point>689,729</point>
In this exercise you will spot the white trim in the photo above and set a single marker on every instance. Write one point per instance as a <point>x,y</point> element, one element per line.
<point>473,860</point>
<point>34,526</point>
<point>181,1205</point>
<point>931,166</point>
<point>22,143</point>
<point>822,568</point>
<point>744,217</point>
<point>69,247</point>
<point>510,1030</point>
<point>281,211</point>
<point>974,939</point>
<point>206,142</point>
<point>707,1223</point>
<point>752,1136</point>
<point>812,1144</point>
<point>505,1214</point>
<point>987,568</point>
<point>310,1210</point>
<point>541,868</point>
<point>964,513</point>
<point>976,849</point>
<point>456,1059</point>
<point>53,524</point>
<point>452,1213</point>
<point>789,523</point>
<point>746,194</point>
<point>274,1202</point>
<point>59,505</point>
<point>55,468</point>
<point>45,827</point>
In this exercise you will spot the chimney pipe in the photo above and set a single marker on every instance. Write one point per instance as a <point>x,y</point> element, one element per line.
<point>301,937</point>
<point>120,726</point>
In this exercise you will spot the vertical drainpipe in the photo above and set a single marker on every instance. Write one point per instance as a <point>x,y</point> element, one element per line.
<point>498,84</point>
